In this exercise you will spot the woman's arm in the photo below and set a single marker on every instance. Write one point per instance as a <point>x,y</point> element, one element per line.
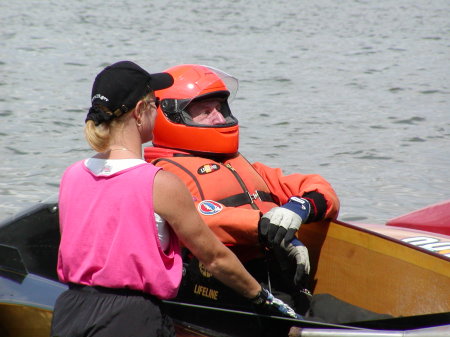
<point>173,202</point>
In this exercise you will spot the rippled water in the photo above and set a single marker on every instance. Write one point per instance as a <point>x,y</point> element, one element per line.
<point>357,91</point>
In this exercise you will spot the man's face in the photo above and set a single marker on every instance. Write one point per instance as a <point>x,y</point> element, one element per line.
<point>207,112</point>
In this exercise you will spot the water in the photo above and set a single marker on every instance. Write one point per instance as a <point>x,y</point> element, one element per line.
<point>357,91</point>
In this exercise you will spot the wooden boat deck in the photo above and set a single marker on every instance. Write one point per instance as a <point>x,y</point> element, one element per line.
<point>376,272</point>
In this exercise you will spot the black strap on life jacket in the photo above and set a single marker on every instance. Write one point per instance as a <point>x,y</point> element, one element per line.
<point>245,198</point>
<point>194,178</point>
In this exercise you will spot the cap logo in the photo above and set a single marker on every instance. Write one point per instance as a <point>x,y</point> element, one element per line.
<point>208,168</point>
<point>103,98</point>
<point>209,207</point>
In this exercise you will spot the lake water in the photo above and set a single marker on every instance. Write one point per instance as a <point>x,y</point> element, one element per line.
<point>356,91</point>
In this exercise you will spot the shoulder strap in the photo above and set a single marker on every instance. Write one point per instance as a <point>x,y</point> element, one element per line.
<point>194,178</point>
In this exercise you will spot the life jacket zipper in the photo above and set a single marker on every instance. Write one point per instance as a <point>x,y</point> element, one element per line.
<point>241,182</point>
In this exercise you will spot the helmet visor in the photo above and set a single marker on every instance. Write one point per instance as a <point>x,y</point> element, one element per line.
<point>211,81</point>
<point>212,111</point>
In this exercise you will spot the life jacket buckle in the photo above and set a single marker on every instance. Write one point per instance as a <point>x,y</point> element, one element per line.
<point>253,196</point>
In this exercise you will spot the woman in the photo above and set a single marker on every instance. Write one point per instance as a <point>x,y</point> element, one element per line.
<point>121,218</point>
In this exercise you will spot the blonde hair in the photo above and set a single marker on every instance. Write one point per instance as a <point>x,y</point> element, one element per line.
<point>98,136</point>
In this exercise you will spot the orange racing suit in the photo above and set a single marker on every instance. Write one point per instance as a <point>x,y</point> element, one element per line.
<point>232,194</point>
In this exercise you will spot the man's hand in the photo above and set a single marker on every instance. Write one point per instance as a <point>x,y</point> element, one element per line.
<point>293,252</point>
<point>274,306</point>
<point>283,222</point>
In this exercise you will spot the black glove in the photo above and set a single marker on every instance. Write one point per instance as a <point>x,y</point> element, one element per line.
<point>274,306</point>
<point>284,221</point>
<point>296,252</point>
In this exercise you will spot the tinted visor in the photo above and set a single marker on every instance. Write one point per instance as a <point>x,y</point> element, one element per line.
<point>172,109</point>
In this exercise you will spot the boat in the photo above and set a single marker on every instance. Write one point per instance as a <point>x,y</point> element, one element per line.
<point>382,268</point>
<point>434,218</point>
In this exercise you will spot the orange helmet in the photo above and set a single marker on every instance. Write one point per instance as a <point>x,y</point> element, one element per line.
<point>175,129</point>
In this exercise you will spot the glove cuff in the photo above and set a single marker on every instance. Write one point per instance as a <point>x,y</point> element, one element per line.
<point>261,298</point>
<point>300,206</point>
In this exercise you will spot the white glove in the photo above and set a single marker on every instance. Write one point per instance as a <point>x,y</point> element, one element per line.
<point>283,222</point>
<point>294,251</point>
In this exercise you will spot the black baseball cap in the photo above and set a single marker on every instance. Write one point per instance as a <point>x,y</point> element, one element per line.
<point>120,86</point>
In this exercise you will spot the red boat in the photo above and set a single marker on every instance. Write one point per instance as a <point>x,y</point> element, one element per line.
<point>434,218</point>
<point>428,228</point>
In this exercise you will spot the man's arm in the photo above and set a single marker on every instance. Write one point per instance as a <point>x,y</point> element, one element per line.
<point>313,187</point>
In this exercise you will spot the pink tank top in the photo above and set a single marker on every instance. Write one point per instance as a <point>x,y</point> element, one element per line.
<point>108,232</point>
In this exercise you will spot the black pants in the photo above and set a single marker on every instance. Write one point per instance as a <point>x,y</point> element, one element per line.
<point>83,311</point>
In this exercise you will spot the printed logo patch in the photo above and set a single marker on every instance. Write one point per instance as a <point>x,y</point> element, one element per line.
<point>203,270</point>
<point>208,168</point>
<point>209,207</point>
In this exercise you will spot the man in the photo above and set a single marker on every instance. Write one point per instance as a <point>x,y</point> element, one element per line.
<point>252,208</point>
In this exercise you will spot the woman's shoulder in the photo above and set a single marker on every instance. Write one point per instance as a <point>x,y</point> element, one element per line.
<point>169,184</point>
<point>167,178</point>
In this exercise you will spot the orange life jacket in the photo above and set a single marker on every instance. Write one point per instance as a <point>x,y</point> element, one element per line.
<point>231,195</point>
<point>233,183</point>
